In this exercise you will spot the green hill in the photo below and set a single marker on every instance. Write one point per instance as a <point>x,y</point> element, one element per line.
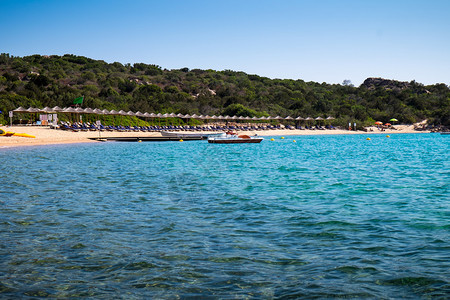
<point>41,81</point>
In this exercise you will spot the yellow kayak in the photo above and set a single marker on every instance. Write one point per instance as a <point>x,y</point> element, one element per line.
<point>9,133</point>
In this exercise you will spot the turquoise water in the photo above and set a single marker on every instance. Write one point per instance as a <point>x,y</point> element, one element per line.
<point>322,217</point>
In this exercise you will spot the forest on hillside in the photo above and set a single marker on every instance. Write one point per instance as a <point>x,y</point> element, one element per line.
<point>40,81</point>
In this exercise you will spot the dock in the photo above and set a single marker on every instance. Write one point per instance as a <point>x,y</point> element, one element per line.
<point>145,139</point>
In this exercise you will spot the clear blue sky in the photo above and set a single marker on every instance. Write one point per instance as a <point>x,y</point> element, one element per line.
<point>313,40</point>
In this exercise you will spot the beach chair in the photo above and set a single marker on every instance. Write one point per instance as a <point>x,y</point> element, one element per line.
<point>79,127</point>
<point>92,127</point>
<point>68,127</point>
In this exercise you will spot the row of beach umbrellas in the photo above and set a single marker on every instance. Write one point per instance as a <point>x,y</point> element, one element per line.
<point>97,111</point>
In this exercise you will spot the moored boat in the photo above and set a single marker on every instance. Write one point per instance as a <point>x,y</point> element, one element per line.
<point>235,139</point>
<point>9,133</point>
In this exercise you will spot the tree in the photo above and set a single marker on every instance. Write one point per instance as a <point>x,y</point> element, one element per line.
<point>347,82</point>
<point>239,110</point>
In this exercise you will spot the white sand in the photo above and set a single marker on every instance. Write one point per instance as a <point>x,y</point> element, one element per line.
<point>47,136</point>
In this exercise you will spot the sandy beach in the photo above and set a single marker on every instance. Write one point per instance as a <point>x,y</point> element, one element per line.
<point>48,136</point>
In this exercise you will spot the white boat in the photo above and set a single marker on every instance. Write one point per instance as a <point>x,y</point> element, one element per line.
<point>235,139</point>
<point>203,135</point>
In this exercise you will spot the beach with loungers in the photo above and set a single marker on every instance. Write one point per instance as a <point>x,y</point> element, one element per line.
<point>87,133</point>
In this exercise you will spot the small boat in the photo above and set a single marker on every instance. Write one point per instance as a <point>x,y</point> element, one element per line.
<point>235,139</point>
<point>182,135</point>
<point>9,133</point>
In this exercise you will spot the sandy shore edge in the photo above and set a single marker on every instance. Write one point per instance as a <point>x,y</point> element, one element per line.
<point>48,136</point>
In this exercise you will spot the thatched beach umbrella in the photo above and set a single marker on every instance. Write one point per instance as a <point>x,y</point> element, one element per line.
<point>32,110</point>
<point>114,113</point>
<point>79,111</point>
<point>88,111</point>
<point>298,119</point>
<point>288,118</point>
<point>146,115</point>
<point>121,113</point>
<point>47,110</point>
<point>329,118</point>
<point>97,112</point>
<point>20,109</point>
<point>165,116</point>
<point>319,119</point>
<point>173,115</point>
<point>118,113</point>
<point>309,119</point>
<point>69,111</point>
<point>130,114</point>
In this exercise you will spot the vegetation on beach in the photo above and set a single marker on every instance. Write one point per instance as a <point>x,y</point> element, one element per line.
<point>40,81</point>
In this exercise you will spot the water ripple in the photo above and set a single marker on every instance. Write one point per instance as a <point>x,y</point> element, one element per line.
<point>325,217</point>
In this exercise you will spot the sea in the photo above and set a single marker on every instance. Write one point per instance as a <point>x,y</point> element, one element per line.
<point>299,217</point>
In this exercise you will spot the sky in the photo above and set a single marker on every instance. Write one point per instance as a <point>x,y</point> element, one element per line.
<point>312,40</point>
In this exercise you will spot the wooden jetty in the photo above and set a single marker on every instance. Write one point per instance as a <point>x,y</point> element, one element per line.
<point>144,139</point>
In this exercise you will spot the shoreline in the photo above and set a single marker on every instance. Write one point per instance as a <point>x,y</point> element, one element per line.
<point>47,136</point>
